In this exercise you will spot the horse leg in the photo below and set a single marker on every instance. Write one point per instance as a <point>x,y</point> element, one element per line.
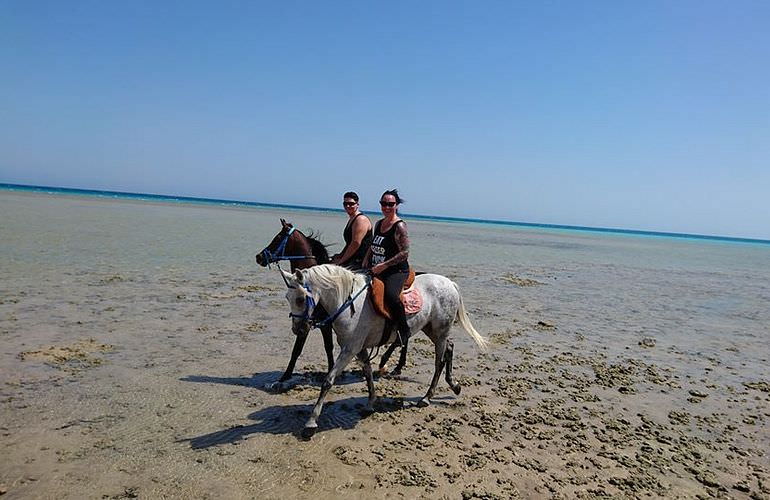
<point>327,334</point>
<point>401,358</point>
<point>440,345</point>
<point>363,357</point>
<point>299,343</point>
<point>385,357</point>
<point>311,426</point>
<point>448,355</point>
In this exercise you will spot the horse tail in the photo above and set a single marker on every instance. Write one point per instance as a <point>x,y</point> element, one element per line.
<point>462,317</point>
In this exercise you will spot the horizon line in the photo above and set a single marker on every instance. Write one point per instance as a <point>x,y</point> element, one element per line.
<point>166,197</point>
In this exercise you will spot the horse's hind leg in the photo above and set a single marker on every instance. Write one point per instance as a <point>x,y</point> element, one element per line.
<point>440,344</point>
<point>363,357</point>
<point>448,355</point>
<point>328,336</point>
<point>346,355</point>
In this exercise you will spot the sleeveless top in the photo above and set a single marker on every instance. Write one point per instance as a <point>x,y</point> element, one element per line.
<point>384,247</point>
<point>357,259</point>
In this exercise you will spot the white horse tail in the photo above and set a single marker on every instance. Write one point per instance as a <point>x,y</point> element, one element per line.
<point>465,321</point>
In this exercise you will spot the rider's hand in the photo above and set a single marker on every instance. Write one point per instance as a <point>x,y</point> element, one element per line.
<point>377,269</point>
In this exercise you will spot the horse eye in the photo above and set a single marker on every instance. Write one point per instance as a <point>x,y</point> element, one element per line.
<point>299,301</point>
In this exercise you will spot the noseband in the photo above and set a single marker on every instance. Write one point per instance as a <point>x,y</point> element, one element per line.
<point>309,303</point>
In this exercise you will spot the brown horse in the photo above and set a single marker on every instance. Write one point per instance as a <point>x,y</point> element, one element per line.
<point>302,252</point>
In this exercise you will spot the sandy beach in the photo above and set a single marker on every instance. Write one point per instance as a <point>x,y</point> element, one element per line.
<point>138,338</point>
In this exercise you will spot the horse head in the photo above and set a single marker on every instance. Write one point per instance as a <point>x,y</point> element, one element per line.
<point>278,246</point>
<point>302,301</point>
<point>292,245</point>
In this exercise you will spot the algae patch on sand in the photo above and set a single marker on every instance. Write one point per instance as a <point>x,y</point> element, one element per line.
<point>73,358</point>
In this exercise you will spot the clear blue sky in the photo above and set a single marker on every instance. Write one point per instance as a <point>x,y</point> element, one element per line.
<point>647,115</point>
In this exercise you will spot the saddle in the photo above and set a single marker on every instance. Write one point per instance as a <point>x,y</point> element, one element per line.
<point>377,296</point>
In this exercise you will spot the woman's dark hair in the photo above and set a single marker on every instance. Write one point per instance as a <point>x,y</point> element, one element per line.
<point>351,194</point>
<point>394,192</point>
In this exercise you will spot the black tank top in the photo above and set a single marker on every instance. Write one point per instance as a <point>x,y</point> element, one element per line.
<point>357,259</point>
<point>384,247</point>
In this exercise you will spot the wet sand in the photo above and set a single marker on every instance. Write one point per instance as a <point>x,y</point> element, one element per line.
<point>138,338</point>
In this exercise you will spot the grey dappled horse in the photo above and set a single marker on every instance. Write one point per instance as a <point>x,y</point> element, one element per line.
<point>359,328</point>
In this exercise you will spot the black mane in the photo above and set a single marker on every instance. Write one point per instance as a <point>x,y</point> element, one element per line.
<point>318,248</point>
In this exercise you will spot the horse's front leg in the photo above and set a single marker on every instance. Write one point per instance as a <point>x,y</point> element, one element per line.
<point>401,358</point>
<point>328,336</point>
<point>383,370</point>
<point>311,426</point>
<point>299,344</point>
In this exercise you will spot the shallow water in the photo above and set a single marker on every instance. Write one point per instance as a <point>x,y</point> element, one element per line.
<point>691,295</point>
<point>164,284</point>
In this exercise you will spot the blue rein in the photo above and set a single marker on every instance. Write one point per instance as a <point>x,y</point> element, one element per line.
<point>310,303</point>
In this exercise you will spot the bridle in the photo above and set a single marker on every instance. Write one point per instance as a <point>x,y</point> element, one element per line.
<point>278,255</point>
<point>311,304</point>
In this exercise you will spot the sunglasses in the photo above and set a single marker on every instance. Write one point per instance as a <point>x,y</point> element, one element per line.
<point>348,203</point>
<point>387,203</point>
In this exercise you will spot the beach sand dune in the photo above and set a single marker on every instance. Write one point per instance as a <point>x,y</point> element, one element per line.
<point>138,338</point>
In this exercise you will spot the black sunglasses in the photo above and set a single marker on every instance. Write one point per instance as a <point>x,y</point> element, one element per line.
<point>348,203</point>
<point>387,203</point>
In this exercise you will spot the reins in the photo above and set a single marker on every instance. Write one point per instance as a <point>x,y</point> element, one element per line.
<point>349,303</point>
<point>310,302</point>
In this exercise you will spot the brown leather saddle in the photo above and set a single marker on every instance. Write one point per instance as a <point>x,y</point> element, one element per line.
<point>377,295</point>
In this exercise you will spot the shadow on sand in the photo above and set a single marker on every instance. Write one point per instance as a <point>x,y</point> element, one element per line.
<point>268,381</point>
<point>290,419</point>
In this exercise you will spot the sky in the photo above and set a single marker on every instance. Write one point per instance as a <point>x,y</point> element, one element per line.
<point>649,115</point>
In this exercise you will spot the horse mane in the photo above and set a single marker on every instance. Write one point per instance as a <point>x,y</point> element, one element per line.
<point>339,279</point>
<point>317,248</point>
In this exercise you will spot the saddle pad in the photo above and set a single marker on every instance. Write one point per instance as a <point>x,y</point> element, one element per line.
<point>377,295</point>
<point>412,300</point>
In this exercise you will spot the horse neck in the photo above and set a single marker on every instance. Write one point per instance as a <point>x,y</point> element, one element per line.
<point>299,246</point>
<point>332,297</point>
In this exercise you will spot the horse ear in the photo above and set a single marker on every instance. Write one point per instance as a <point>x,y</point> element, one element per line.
<point>284,223</point>
<point>287,276</point>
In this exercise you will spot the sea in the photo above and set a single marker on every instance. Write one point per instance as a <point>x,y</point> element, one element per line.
<point>693,295</point>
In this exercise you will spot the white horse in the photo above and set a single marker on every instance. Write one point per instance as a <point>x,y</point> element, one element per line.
<point>359,328</point>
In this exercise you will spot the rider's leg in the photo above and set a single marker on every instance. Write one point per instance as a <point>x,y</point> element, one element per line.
<point>394,283</point>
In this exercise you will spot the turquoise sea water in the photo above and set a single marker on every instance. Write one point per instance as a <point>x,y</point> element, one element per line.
<point>238,203</point>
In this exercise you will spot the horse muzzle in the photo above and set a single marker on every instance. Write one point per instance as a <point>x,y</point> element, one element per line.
<point>261,260</point>
<point>300,327</point>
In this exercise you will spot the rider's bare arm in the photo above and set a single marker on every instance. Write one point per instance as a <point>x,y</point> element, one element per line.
<point>360,227</point>
<point>402,240</point>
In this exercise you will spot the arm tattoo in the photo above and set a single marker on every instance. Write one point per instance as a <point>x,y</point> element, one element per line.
<point>402,240</point>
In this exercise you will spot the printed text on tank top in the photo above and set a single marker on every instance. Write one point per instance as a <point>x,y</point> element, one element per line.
<point>384,246</point>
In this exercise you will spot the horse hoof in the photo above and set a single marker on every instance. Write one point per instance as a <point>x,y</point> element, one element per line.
<point>308,432</point>
<point>365,412</point>
<point>456,389</point>
<point>423,403</point>
<point>274,387</point>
